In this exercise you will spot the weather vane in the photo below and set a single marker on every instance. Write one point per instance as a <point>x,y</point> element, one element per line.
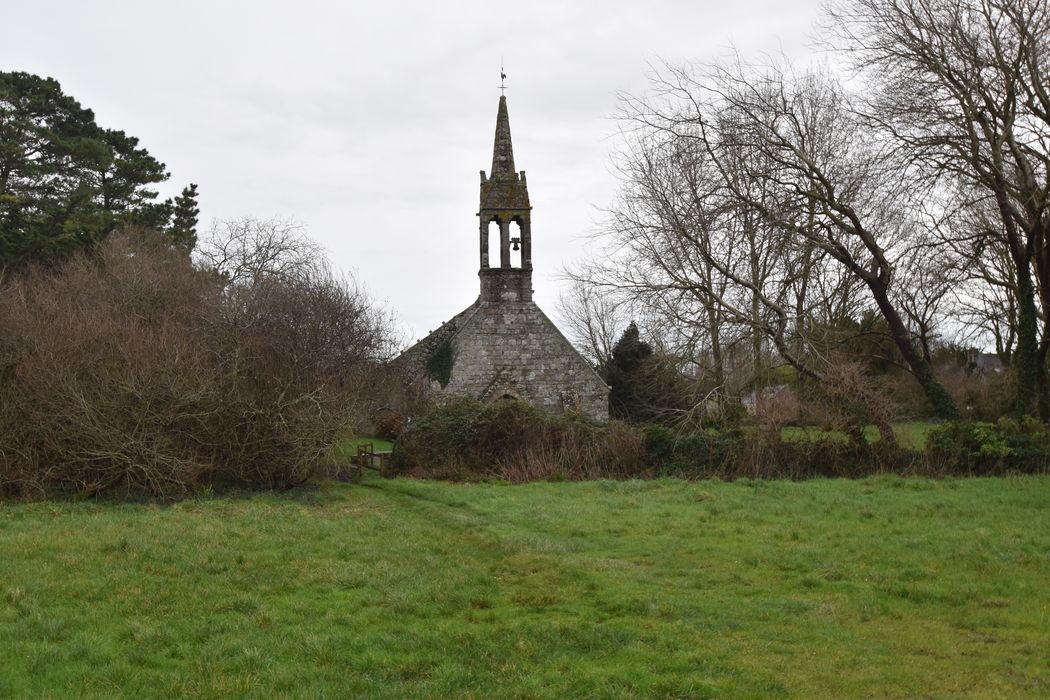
<point>502,77</point>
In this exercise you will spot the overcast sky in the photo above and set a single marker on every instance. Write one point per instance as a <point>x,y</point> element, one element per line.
<point>368,122</point>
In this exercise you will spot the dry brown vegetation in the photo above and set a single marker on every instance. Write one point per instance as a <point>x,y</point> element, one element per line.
<point>466,439</point>
<point>130,370</point>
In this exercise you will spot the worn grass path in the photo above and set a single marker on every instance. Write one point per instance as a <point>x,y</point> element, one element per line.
<point>885,587</point>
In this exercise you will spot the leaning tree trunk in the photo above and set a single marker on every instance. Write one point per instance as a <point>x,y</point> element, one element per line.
<point>942,402</point>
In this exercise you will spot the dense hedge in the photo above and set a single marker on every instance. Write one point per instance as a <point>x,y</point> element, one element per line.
<point>985,449</point>
<point>468,439</point>
<point>511,440</point>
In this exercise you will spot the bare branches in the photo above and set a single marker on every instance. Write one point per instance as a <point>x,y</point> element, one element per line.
<point>594,319</point>
<point>960,87</point>
<point>129,369</point>
<point>755,200</point>
<point>245,250</point>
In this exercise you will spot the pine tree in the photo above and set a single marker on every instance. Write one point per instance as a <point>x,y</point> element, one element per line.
<point>183,230</point>
<point>623,373</point>
<point>66,182</point>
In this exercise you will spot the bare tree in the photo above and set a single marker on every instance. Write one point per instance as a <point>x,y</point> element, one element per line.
<point>924,293</point>
<point>732,157</point>
<point>986,292</point>
<point>960,87</point>
<point>651,272</point>
<point>594,319</point>
<point>248,249</point>
<point>281,290</point>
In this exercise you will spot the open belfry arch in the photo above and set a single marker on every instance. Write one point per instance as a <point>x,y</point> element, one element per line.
<point>505,203</point>
<point>503,346</point>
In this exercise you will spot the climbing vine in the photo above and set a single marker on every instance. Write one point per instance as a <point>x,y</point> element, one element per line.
<point>439,364</point>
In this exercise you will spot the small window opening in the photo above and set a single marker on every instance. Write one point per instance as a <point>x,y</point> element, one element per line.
<point>517,242</point>
<point>493,247</point>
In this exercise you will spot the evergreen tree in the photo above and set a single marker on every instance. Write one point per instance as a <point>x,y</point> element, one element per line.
<point>644,385</point>
<point>41,131</point>
<point>624,374</point>
<point>183,230</point>
<point>123,174</point>
<point>65,182</point>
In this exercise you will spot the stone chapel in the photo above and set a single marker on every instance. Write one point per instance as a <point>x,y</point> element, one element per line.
<point>503,346</point>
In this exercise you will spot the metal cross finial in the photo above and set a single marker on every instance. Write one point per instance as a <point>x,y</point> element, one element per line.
<point>502,77</point>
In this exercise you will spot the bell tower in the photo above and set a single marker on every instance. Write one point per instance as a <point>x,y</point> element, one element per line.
<point>504,211</point>
<point>503,346</point>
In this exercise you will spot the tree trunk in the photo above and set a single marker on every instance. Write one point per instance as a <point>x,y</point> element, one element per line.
<point>942,402</point>
<point>1042,267</point>
<point>716,348</point>
<point>1025,359</point>
<point>1041,399</point>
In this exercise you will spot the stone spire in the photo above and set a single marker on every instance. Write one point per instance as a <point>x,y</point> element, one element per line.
<point>502,150</point>
<point>504,205</point>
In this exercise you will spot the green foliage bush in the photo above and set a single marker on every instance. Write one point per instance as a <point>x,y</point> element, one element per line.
<point>985,449</point>
<point>700,453</point>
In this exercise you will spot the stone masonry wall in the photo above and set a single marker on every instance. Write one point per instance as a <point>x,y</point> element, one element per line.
<point>513,349</point>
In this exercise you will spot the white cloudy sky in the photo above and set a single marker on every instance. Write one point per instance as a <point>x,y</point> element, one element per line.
<point>369,121</point>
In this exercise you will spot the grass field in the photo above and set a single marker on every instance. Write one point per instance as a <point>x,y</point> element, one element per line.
<point>885,587</point>
<point>910,434</point>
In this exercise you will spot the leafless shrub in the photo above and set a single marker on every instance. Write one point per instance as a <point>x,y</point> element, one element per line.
<point>776,409</point>
<point>246,250</point>
<point>855,402</point>
<point>983,396</point>
<point>281,295</point>
<point>388,424</point>
<point>131,371</point>
<point>576,452</point>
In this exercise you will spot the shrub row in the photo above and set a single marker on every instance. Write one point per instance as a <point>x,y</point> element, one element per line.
<point>738,453</point>
<point>511,440</point>
<point>1008,446</point>
<point>467,440</point>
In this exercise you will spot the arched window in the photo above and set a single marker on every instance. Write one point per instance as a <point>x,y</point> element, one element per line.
<point>517,239</point>
<point>493,243</point>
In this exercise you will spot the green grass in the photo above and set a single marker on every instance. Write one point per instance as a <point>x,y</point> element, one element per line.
<point>345,449</point>
<point>884,587</point>
<point>910,434</point>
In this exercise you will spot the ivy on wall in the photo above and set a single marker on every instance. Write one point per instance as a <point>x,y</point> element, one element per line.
<point>439,364</point>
